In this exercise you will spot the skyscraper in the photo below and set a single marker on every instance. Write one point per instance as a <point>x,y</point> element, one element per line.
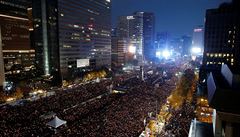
<point>139,28</point>
<point>222,36</point>
<point>131,27</point>
<point>119,51</point>
<point>86,35</point>
<point>198,37</point>
<point>15,28</point>
<point>162,40</point>
<point>66,38</point>
<point>46,42</point>
<point>148,35</point>
<point>186,42</point>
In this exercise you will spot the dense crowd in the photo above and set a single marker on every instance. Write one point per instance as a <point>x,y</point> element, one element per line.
<point>25,120</point>
<point>120,115</point>
<point>179,123</point>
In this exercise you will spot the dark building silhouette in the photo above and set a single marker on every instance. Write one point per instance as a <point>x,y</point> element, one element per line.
<point>46,42</point>
<point>148,35</point>
<point>186,42</point>
<point>223,96</point>
<point>162,40</point>
<point>222,39</point>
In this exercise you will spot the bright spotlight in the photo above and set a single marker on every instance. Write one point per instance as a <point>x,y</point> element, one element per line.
<point>166,54</point>
<point>132,49</point>
<point>196,50</point>
<point>158,54</point>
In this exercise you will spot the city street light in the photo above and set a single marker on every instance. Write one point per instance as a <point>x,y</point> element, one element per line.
<point>132,49</point>
<point>196,50</point>
<point>166,54</point>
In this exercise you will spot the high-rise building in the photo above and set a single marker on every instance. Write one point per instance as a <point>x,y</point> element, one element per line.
<point>87,35</point>
<point>198,37</point>
<point>46,42</point>
<point>119,51</point>
<point>186,42</point>
<point>131,27</point>
<point>64,37</point>
<point>162,40</point>
<point>122,30</point>
<point>148,35</point>
<point>18,54</point>
<point>222,36</point>
<point>139,28</point>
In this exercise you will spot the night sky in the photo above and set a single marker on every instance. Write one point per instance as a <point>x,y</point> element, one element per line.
<point>178,17</point>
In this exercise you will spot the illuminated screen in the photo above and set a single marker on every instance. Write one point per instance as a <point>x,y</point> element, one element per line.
<point>82,63</point>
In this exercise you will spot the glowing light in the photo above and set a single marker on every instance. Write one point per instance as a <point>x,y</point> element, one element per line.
<point>130,17</point>
<point>10,99</point>
<point>194,58</point>
<point>13,17</point>
<point>196,50</point>
<point>132,49</point>
<point>158,54</point>
<point>198,30</point>
<point>166,54</point>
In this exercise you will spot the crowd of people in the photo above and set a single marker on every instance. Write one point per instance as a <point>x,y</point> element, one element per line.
<point>25,120</point>
<point>179,123</point>
<point>107,114</point>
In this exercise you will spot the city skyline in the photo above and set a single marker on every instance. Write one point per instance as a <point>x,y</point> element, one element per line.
<point>189,13</point>
<point>66,71</point>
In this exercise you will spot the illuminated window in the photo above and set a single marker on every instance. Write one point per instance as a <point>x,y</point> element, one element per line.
<point>208,54</point>
<point>211,55</point>
<point>227,55</point>
<point>231,55</point>
<point>224,55</point>
<point>229,41</point>
<point>232,64</point>
<point>216,55</point>
<point>220,54</point>
<point>232,60</point>
<point>229,32</point>
<point>207,63</point>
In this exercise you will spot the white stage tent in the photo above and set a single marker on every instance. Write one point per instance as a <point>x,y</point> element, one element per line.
<point>56,122</point>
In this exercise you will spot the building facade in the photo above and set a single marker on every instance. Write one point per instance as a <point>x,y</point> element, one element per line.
<point>119,51</point>
<point>139,29</point>
<point>18,54</point>
<point>148,35</point>
<point>86,35</point>
<point>222,39</point>
<point>198,37</point>
<point>62,37</point>
<point>186,42</point>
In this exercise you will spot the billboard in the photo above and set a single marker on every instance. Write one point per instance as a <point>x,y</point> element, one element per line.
<point>82,63</point>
